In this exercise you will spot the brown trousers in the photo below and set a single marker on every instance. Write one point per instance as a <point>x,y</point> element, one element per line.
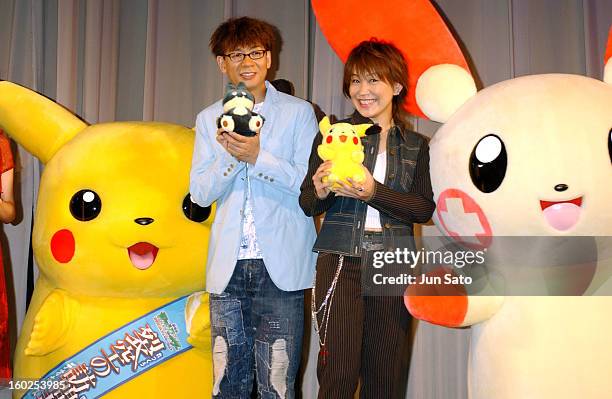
<point>365,338</point>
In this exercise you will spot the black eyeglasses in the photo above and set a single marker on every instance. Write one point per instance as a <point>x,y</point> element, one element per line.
<point>238,57</point>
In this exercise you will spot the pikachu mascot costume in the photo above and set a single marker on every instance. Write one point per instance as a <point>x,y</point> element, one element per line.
<point>116,311</point>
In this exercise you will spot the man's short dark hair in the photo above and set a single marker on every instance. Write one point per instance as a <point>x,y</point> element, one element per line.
<point>284,86</point>
<point>242,32</point>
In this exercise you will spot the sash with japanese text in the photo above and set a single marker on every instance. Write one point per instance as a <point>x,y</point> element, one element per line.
<point>119,356</point>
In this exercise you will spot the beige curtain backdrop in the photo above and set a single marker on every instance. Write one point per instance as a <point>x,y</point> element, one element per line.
<point>149,60</point>
<point>21,52</point>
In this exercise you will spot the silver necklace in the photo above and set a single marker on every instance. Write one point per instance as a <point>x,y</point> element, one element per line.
<point>324,309</point>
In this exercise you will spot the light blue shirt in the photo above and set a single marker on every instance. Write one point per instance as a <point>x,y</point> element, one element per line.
<point>285,235</point>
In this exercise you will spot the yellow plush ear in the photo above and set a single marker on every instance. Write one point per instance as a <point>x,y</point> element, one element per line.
<point>37,123</point>
<point>361,129</point>
<point>324,125</point>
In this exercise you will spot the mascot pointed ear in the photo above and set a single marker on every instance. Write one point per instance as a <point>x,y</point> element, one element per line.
<point>367,129</point>
<point>361,129</point>
<point>324,125</point>
<point>442,89</point>
<point>607,77</point>
<point>37,123</point>
<point>415,27</point>
<point>374,129</point>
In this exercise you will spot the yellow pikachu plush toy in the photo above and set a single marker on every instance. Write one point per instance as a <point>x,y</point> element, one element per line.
<point>342,144</point>
<point>121,250</point>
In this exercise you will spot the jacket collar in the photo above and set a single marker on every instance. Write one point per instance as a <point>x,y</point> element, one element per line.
<point>269,111</point>
<point>271,93</point>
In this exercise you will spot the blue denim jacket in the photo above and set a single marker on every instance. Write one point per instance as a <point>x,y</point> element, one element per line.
<point>285,235</point>
<point>343,226</point>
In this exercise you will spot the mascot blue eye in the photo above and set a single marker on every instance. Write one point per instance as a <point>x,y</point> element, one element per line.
<point>85,205</point>
<point>194,211</point>
<point>488,163</point>
<point>610,144</point>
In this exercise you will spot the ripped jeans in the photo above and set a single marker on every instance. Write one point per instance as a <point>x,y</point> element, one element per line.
<point>255,327</point>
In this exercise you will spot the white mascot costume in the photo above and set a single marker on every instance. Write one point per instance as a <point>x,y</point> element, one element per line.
<point>530,156</point>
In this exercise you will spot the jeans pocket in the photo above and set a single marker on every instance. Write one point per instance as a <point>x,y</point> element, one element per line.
<point>274,325</point>
<point>226,319</point>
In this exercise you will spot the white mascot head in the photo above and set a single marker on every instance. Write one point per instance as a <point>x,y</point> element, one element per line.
<point>530,156</point>
<point>527,156</point>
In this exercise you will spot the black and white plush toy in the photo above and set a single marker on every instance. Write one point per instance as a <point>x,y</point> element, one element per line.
<point>238,115</point>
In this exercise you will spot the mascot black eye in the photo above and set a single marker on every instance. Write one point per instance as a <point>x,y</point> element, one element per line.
<point>85,205</point>
<point>610,144</point>
<point>194,211</point>
<point>488,163</point>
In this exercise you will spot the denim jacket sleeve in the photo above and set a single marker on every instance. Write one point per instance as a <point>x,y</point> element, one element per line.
<point>287,174</point>
<point>415,206</point>
<point>213,169</point>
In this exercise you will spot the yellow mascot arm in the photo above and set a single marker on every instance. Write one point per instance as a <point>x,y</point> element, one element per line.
<point>52,324</point>
<point>197,314</point>
<point>37,123</point>
<point>357,156</point>
<point>325,152</point>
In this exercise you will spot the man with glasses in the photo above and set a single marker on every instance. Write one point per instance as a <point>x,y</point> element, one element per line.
<point>259,256</point>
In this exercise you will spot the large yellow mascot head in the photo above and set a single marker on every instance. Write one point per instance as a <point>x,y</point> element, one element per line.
<point>115,236</point>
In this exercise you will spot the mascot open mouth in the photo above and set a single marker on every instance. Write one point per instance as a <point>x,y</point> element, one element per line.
<point>562,215</point>
<point>142,255</point>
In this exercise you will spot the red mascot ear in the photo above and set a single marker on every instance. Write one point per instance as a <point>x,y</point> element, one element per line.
<point>608,60</point>
<point>609,48</point>
<point>414,26</point>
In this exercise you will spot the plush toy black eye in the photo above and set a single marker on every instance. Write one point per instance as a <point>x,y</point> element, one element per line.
<point>85,205</point>
<point>194,211</point>
<point>488,163</point>
<point>610,144</point>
